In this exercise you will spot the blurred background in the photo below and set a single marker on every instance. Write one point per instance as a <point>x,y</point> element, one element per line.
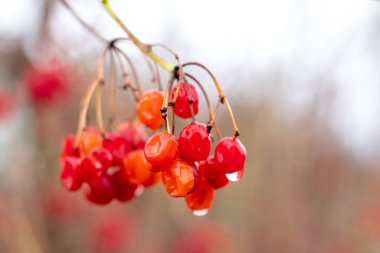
<point>302,78</point>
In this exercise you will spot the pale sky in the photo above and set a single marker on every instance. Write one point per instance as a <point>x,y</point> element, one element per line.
<point>302,37</point>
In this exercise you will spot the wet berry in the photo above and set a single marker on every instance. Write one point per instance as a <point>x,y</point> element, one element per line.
<point>214,175</point>
<point>230,154</point>
<point>182,106</point>
<point>194,142</point>
<point>199,200</point>
<point>71,177</point>
<point>161,149</point>
<point>149,109</point>
<point>178,179</point>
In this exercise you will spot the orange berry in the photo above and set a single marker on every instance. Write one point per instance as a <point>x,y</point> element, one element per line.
<point>178,179</point>
<point>89,139</point>
<point>161,149</point>
<point>137,169</point>
<point>149,109</point>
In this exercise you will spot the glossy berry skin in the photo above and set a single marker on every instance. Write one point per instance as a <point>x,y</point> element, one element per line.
<point>182,106</point>
<point>230,154</point>
<point>161,149</point>
<point>149,109</point>
<point>96,163</point>
<point>99,190</point>
<point>137,169</point>
<point>89,139</point>
<point>201,197</point>
<point>213,174</point>
<point>194,142</point>
<point>118,146</point>
<point>178,179</point>
<point>71,177</point>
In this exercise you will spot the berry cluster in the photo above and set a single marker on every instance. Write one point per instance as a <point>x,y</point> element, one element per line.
<point>118,163</point>
<point>187,168</point>
<point>111,165</point>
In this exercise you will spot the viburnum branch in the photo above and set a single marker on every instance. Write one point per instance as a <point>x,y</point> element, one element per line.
<point>146,49</point>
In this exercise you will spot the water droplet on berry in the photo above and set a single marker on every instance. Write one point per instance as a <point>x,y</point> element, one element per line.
<point>233,177</point>
<point>202,212</point>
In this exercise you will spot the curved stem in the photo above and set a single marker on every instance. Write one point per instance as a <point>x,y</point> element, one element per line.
<point>143,47</point>
<point>222,97</point>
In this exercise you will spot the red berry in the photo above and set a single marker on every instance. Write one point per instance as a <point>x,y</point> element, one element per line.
<point>96,163</point>
<point>178,179</point>
<point>70,175</point>
<point>149,109</point>
<point>214,176</point>
<point>194,142</point>
<point>161,149</point>
<point>182,106</point>
<point>200,198</point>
<point>230,154</point>
<point>236,176</point>
<point>100,190</point>
<point>47,83</point>
<point>68,147</point>
<point>118,146</point>
<point>124,190</point>
<point>133,132</point>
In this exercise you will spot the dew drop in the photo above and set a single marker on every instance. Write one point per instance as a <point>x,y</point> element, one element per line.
<point>139,190</point>
<point>233,177</point>
<point>202,212</point>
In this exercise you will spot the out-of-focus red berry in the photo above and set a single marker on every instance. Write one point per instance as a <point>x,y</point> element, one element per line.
<point>213,174</point>
<point>194,142</point>
<point>178,179</point>
<point>134,132</point>
<point>71,177</point>
<point>99,190</point>
<point>68,147</point>
<point>161,149</point>
<point>230,154</point>
<point>149,109</point>
<point>182,106</point>
<point>47,83</point>
<point>110,233</point>
<point>89,139</point>
<point>7,103</point>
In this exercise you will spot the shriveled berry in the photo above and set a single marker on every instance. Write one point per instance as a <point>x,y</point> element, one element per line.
<point>199,200</point>
<point>89,139</point>
<point>230,154</point>
<point>102,155</point>
<point>99,190</point>
<point>161,149</point>
<point>149,109</point>
<point>178,179</point>
<point>214,175</point>
<point>70,175</point>
<point>194,142</point>
<point>137,169</point>
<point>187,91</point>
